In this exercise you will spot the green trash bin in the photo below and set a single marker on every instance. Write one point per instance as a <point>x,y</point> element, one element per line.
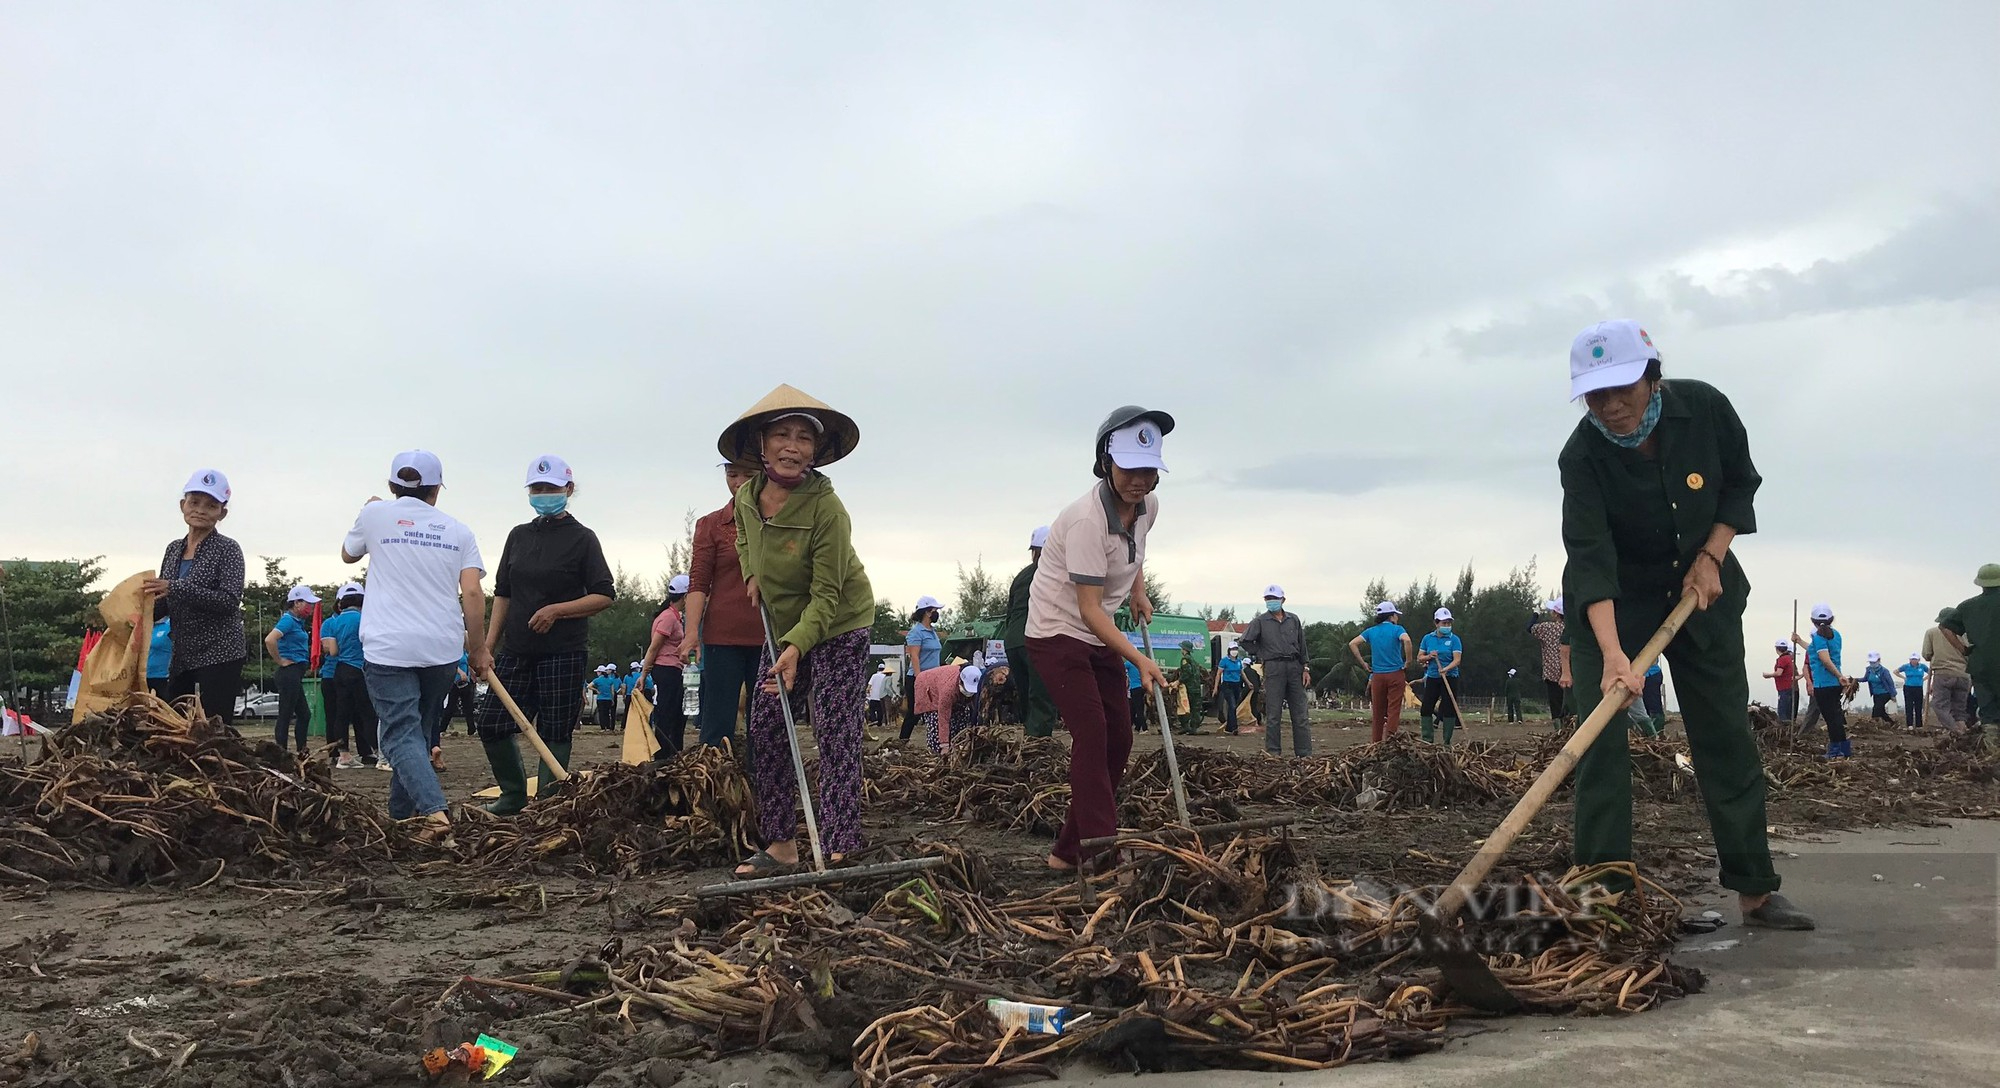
<point>316,699</point>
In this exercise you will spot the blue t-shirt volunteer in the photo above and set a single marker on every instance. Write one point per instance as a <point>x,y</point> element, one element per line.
<point>1132,681</point>
<point>606,688</point>
<point>345,631</point>
<point>636,681</point>
<point>1443,644</point>
<point>1914,673</point>
<point>1232,670</point>
<point>1385,647</point>
<point>160,653</point>
<point>294,639</point>
<point>1879,680</point>
<point>1820,677</point>
<point>930,648</point>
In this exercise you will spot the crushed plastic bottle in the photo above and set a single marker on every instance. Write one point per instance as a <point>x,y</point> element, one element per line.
<point>1033,1019</point>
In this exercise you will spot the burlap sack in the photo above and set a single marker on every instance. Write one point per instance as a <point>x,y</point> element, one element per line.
<point>118,665</point>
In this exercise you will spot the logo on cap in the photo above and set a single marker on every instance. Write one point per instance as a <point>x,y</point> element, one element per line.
<point>542,467</point>
<point>1597,352</point>
<point>208,478</point>
<point>1647,339</point>
<point>1145,437</point>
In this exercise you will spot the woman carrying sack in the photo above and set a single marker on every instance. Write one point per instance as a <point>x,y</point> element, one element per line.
<point>1093,564</point>
<point>200,588</point>
<point>551,579</point>
<point>1657,482</point>
<point>796,547</point>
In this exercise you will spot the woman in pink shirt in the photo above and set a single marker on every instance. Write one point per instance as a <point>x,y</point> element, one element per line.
<point>663,658</point>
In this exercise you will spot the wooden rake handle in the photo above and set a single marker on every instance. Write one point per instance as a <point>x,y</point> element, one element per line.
<point>527,727</point>
<point>1559,768</point>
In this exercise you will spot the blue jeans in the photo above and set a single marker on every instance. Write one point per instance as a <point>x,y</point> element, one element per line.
<point>409,702</point>
<point>1788,705</point>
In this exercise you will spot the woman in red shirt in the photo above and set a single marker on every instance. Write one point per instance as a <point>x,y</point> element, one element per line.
<point>1786,673</point>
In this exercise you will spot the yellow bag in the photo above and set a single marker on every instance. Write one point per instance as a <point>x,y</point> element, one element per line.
<point>638,747</point>
<point>117,666</point>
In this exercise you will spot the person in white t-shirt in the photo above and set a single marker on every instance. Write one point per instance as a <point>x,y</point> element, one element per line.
<point>425,609</point>
<point>878,692</point>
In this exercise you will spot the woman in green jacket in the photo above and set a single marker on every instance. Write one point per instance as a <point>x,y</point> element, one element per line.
<point>1657,482</point>
<point>796,546</point>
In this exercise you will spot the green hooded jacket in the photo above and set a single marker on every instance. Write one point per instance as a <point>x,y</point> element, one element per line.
<point>804,563</point>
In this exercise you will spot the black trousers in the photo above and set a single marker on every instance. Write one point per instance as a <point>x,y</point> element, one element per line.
<point>1436,702</point>
<point>1833,710</point>
<point>293,710</point>
<point>1555,690</point>
<point>727,672</point>
<point>877,715</point>
<point>218,686</point>
<point>1138,698</point>
<point>356,711</point>
<point>1882,705</point>
<point>669,720</point>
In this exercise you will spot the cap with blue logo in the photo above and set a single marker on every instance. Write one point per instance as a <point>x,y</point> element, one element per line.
<point>1608,355</point>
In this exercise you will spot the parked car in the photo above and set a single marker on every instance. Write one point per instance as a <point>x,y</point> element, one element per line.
<point>257,706</point>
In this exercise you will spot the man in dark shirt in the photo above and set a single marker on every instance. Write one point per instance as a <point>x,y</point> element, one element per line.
<point>1036,710</point>
<point>1277,639</point>
<point>1977,622</point>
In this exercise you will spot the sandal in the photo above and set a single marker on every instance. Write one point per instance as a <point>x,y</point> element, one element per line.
<point>762,864</point>
<point>432,830</point>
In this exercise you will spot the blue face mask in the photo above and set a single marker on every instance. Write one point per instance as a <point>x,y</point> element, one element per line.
<point>1444,629</point>
<point>1274,606</point>
<point>1637,438</point>
<point>549,506</point>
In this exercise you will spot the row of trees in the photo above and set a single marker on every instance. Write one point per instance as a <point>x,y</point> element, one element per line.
<point>1492,621</point>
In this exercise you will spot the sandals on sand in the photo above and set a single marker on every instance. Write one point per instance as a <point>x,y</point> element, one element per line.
<point>762,864</point>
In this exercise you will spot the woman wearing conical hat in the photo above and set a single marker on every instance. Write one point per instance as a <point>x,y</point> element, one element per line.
<point>796,547</point>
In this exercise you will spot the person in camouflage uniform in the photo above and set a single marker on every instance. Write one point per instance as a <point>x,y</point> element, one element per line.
<point>1189,675</point>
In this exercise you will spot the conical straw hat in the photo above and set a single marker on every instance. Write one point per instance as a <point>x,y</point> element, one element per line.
<point>739,440</point>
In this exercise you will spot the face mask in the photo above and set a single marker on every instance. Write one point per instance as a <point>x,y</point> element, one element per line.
<point>1274,606</point>
<point>1637,438</point>
<point>549,506</point>
<point>1445,629</point>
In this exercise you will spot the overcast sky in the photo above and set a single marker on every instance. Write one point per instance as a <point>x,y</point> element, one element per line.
<point>1346,245</point>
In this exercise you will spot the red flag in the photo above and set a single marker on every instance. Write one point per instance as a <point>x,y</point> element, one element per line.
<point>314,648</point>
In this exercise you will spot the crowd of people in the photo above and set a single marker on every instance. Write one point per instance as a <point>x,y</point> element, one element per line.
<point>1657,482</point>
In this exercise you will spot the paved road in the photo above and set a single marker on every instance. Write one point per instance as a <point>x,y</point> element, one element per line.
<point>1898,987</point>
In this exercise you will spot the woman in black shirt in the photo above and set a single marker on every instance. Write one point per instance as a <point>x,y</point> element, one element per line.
<point>552,577</point>
<point>201,588</point>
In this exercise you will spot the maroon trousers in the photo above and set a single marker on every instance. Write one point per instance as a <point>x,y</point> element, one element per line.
<point>1087,684</point>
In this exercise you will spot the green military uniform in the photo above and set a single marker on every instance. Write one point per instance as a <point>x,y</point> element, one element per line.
<point>1510,689</point>
<point>1189,675</point>
<point>1037,710</point>
<point>1978,622</point>
<point>1631,526</point>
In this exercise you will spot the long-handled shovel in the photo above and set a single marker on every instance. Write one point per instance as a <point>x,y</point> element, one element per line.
<point>1467,972</point>
<point>1166,732</point>
<point>820,874</point>
<point>527,727</point>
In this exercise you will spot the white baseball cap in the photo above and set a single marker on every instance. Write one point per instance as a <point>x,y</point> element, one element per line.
<point>927,602</point>
<point>1442,615</point>
<point>209,482</point>
<point>968,678</point>
<point>677,584</point>
<point>1274,591</point>
<point>1039,538</point>
<point>1388,608</point>
<point>1607,355</point>
<point>549,469</point>
<point>1914,658</point>
<point>1511,672</point>
<point>351,589</point>
<point>636,665</point>
<point>1785,645</point>
<point>301,593</point>
<point>430,472</point>
<point>1555,605</point>
<point>1874,657</point>
<point>1822,613</point>
<point>1137,446</point>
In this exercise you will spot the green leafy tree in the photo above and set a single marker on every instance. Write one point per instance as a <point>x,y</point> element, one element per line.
<point>619,634</point>
<point>888,627</point>
<point>1492,622</point>
<point>44,609</point>
<point>1156,592</point>
<point>979,594</point>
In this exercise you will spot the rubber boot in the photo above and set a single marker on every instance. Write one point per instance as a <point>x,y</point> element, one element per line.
<point>1449,726</point>
<point>505,759</point>
<point>546,777</point>
<point>1991,735</point>
<point>1833,750</point>
<point>1659,725</point>
<point>1847,748</point>
<point>1426,728</point>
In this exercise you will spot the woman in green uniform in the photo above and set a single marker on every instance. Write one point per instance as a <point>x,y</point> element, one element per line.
<point>1657,482</point>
